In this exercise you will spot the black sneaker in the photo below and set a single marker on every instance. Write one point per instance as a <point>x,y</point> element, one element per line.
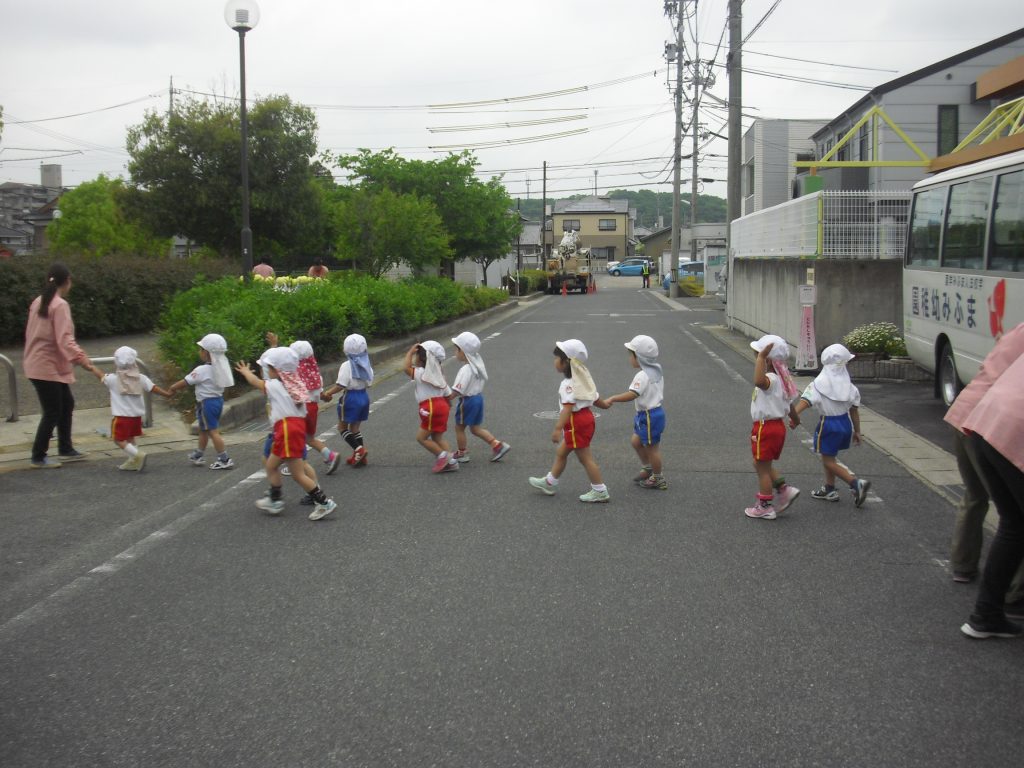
<point>982,629</point>
<point>72,455</point>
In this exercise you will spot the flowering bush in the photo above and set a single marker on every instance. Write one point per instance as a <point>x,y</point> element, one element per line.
<point>878,338</point>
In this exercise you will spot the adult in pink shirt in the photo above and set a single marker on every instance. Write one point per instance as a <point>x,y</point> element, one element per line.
<point>992,416</point>
<point>51,354</point>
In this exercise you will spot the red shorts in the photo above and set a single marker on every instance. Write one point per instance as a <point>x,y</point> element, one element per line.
<point>579,430</point>
<point>289,438</point>
<point>312,413</point>
<point>767,439</point>
<point>124,428</point>
<point>434,415</point>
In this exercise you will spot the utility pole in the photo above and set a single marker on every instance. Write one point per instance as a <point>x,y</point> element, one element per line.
<point>544,216</point>
<point>733,67</point>
<point>674,52</point>
<point>695,130</point>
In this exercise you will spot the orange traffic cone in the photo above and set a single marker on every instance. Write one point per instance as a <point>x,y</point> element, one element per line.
<point>564,291</point>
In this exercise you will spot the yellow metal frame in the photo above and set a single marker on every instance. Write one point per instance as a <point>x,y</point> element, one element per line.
<point>1008,117</point>
<point>873,115</point>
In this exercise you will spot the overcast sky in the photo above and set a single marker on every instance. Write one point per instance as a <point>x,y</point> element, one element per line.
<point>79,73</point>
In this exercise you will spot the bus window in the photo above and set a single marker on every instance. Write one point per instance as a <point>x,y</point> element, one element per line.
<point>1007,247</point>
<point>925,225</point>
<point>963,243</point>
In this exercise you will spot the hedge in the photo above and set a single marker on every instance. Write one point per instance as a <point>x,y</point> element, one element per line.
<point>110,296</point>
<point>323,312</point>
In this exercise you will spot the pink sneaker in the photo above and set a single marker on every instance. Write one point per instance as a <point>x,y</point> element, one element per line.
<point>785,497</point>
<point>461,456</point>
<point>499,451</point>
<point>760,512</point>
<point>440,464</point>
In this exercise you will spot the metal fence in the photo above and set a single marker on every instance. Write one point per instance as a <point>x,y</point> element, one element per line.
<point>826,225</point>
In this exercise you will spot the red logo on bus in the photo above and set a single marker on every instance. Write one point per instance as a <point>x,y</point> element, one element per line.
<point>996,309</point>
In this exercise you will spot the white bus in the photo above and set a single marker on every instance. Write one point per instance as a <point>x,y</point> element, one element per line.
<point>963,275</point>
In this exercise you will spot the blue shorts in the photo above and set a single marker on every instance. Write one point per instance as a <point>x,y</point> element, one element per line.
<point>208,413</point>
<point>268,445</point>
<point>470,411</point>
<point>353,406</point>
<point>832,434</point>
<point>648,425</point>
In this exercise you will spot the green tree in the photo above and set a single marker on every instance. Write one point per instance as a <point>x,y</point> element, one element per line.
<point>380,229</point>
<point>186,176</point>
<point>477,215</point>
<point>93,222</point>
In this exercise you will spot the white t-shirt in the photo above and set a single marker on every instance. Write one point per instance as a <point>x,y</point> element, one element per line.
<point>281,404</point>
<point>769,403</point>
<point>468,383</point>
<point>826,405</point>
<point>126,405</point>
<point>425,391</point>
<point>202,379</point>
<point>650,394</point>
<point>346,380</point>
<point>565,395</point>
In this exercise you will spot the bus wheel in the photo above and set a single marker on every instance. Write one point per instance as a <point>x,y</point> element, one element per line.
<point>949,382</point>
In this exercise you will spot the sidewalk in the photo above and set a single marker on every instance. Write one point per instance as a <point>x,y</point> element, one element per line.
<point>169,432</point>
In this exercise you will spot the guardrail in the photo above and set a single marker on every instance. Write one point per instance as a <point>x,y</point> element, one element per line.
<point>12,385</point>
<point>147,397</point>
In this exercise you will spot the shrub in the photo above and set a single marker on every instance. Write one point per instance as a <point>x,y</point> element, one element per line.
<point>876,338</point>
<point>111,295</point>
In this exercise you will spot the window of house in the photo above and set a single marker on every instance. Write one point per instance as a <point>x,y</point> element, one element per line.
<point>843,153</point>
<point>606,225</point>
<point>949,128</point>
<point>864,143</point>
<point>570,225</point>
<point>748,181</point>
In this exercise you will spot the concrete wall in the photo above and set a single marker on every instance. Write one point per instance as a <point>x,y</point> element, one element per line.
<point>764,296</point>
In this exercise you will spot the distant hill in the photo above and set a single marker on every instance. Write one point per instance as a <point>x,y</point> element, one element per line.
<point>649,205</point>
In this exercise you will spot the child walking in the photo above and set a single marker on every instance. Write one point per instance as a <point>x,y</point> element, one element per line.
<point>423,365</point>
<point>647,391</point>
<point>309,374</point>
<point>774,392</point>
<point>575,426</point>
<point>355,375</point>
<point>287,397</point>
<point>210,380</point>
<point>127,406</point>
<point>469,387</point>
<point>838,401</point>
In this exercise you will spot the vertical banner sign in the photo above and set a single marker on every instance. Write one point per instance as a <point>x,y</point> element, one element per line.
<point>806,353</point>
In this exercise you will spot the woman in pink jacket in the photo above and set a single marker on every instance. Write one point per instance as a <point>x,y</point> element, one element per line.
<point>51,353</point>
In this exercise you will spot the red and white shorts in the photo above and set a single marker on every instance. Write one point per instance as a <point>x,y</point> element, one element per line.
<point>289,438</point>
<point>434,415</point>
<point>767,439</point>
<point>579,430</point>
<point>124,428</point>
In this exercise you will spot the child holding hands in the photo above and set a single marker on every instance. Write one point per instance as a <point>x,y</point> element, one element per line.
<point>355,375</point>
<point>575,426</point>
<point>774,393</point>
<point>647,390</point>
<point>423,365</point>
<point>469,387</point>
<point>837,400</point>
<point>127,406</point>
<point>210,380</point>
<point>287,397</point>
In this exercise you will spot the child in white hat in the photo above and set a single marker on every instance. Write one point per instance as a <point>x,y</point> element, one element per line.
<point>469,386</point>
<point>355,375</point>
<point>774,393</point>
<point>287,395</point>
<point>423,365</point>
<point>127,406</point>
<point>575,426</point>
<point>838,401</point>
<point>646,391</point>
<point>210,379</point>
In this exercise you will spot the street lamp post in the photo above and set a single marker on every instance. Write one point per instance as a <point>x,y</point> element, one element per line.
<point>241,16</point>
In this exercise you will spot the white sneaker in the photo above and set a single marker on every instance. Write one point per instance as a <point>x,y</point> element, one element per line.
<point>227,464</point>
<point>592,496</point>
<point>499,451</point>
<point>320,511</point>
<point>196,461</point>
<point>135,464</point>
<point>267,505</point>
<point>542,484</point>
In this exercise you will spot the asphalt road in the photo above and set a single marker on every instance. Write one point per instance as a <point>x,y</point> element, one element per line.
<point>465,620</point>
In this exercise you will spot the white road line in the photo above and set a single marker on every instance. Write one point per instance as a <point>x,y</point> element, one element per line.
<point>728,369</point>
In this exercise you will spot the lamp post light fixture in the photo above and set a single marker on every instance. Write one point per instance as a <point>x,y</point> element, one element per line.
<point>241,16</point>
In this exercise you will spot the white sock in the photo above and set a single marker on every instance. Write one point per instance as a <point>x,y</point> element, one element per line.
<point>326,453</point>
<point>443,455</point>
<point>131,450</point>
<point>599,487</point>
<point>552,480</point>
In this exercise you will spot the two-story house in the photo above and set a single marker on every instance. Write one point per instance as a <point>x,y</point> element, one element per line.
<point>604,225</point>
